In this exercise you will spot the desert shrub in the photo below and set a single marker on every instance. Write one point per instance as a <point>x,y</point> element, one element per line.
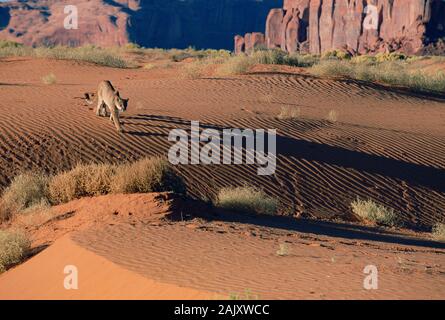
<point>363,59</point>
<point>212,53</point>
<point>279,57</point>
<point>246,199</point>
<point>177,55</point>
<point>193,70</point>
<point>246,295</point>
<point>336,54</point>
<point>333,68</point>
<point>133,48</point>
<point>394,73</point>
<point>235,66</point>
<point>149,66</point>
<point>332,116</point>
<point>181,56</point>
<point>373,212</point>
<point>301,60</point>
<point>147,175</point>
<point>82,181</point>
<point>9,44</point>
<point>274,56</point>
<point>13,248</point>
<point>25,191</point>
<point>439,232</point>
<point>289,113</point>
<point>283,250</point>
<point>392,56</point>
<point>104,57</point>
<point>155,53</point>
<point>49,79</point>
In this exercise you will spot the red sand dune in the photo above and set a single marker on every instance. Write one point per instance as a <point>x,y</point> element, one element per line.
<point>387,144</point>
<point>120,257</point>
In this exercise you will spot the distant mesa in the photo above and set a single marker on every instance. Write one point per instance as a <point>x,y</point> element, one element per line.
<point>154,23</point>
<point>316,26</point>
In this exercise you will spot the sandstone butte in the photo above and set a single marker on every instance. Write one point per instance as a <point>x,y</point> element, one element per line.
<point>149,23</point>
<point>355,26</point>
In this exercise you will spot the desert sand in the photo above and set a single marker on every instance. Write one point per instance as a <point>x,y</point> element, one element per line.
<point>386,144</point>
<point>143,250</point>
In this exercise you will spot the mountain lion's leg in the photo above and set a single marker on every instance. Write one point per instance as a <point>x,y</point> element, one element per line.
<point>115,118</point>
<point>100,103</point>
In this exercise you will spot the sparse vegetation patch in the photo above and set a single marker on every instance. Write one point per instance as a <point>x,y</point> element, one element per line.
<point>439,232</point>
<point>371,211</point>
<point>13,248</point>
<point>246,199</point>
<point>25,191</point>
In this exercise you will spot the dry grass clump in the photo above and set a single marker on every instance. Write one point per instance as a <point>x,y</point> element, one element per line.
<point>395,72</point>
<point>13,248</point>
<point>25,191</point>
<point>147,175</point>
<point>228,64</point>
<point>333,68</point>
<point>289,113</point>
<point>105,57</point>
<point>279,57</point>
<point>235,66</point>
<point>246,199</point>
<point>178,55</point>
<point>336,54</point>
<point>82,181</point>
<point>49,79</point>
<point>439,232</point>
<point>9,44</point>
<point>149,66</point>
<point>283,250</point>
<point>198,67</point>
<point>193,70</point>
<point>36,192</point>
<point>373,212</point>
<point>332,116</point>
<point>247,295</point>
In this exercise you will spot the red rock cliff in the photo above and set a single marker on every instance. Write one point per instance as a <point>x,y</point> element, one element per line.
<point>357,26</point>
<point>150,23</point>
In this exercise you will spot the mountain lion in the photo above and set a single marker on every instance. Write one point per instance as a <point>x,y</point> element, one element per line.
<point>108,97</point>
